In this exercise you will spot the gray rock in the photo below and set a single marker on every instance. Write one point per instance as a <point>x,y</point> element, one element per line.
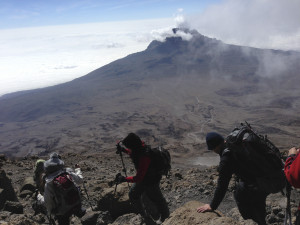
<point>21,220</point>
<point>28,184</point>
<point>90,218</point>
<point>13,207</point>
<point>7,192</point>
<point>129,219</point>
<point>25,193</point>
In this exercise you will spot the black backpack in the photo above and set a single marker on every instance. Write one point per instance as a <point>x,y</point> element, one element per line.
<point>161,160</point>
<point>258,156</point>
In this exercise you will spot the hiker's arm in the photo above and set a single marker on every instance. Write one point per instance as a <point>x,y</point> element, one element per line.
<point>77,176</point>
<point>127,151</point>
<point>225,173</point>
<point>141,171</point>
<point>292,168</point>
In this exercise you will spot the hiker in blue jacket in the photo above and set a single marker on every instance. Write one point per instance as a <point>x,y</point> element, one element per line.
<point>250,200</point>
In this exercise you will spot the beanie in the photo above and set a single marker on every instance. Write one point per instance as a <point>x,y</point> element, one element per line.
<point>213,140</point>
<point>132,141</point>
<point>53,164</point>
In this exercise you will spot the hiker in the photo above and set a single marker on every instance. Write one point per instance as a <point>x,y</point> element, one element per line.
<point>61,194</point>
<point>250,200</point>
<point>39,175</point>
<point>147,178</point>
<point>292,170</point>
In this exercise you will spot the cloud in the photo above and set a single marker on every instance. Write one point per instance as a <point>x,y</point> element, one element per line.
<point>44,56</point>
<point>162,34</point>
<point>258,23</point>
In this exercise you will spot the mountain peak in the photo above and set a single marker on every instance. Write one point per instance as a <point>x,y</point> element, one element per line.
<point>177,38</point>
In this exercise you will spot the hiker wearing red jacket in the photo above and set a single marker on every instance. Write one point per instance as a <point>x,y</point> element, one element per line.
<point>147,178</point>
<point>292,173</point>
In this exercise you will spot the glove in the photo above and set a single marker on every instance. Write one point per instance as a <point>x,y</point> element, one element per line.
<point>119,149</point>
<point>120,178</point>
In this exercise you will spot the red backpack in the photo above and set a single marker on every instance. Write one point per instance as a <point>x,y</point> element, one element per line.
<point>67,193</point>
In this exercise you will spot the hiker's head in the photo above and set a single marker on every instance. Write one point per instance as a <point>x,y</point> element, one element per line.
<point>214,140</point>
<point>54,163</point>
<point>132,141</point>
<point>39,164</point>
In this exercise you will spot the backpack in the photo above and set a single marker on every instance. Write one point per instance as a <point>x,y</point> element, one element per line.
<point>67,193</point>
<point>258,156</point>
<point>161,160</point>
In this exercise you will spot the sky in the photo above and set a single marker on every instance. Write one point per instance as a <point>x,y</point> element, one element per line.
<point>43,43</point>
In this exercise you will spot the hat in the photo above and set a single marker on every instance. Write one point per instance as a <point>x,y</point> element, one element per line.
<point>213,140</point>
<point>132,141</point>
<point>39,165</point>
<point>54,163</point>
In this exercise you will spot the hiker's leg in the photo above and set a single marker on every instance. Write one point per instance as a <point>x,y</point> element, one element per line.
<point>259,209</point>
<point>297,218</point>
<point>251,203</point>
<point>63,220</point>
<point>135,193</point>
<point>155,195</point>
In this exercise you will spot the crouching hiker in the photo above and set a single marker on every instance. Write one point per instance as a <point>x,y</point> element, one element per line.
<point>147,178</point>
<point>250,200</point>
<point>39,175</point>
<point>61,193</point>
<point>292,173</point>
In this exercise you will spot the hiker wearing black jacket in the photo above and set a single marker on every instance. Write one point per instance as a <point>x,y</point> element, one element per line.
<point>251,202</point>
<point>147,179</point>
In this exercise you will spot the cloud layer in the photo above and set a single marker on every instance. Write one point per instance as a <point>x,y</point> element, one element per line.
<point>44,56</point>
<point>258,23</point>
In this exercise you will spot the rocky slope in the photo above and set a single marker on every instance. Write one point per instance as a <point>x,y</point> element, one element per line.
<point>173,93</point>
<point>185,190</point>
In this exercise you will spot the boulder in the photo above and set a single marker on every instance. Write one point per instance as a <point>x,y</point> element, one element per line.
<point>90,218</point>
<point>116,203</point>
<point>13,207</point>
<point>21,220</point>
<point>7,192</point>
<point>28,184</point>
<point>129,219</point>
<point>25,193</point>
<point>188,214</point>
<point>96,217</point>
<point>104,218</point>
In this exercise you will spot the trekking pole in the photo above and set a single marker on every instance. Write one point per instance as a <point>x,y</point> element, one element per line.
<point>123,164</point>
<point>88,197</point>
<point>288,214</point>
<point>124,168</point>
<point>116,183</point>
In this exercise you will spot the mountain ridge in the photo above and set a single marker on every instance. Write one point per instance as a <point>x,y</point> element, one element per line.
<point>173,92</point>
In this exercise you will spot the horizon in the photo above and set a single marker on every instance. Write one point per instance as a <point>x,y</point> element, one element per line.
<point>45,44</point>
